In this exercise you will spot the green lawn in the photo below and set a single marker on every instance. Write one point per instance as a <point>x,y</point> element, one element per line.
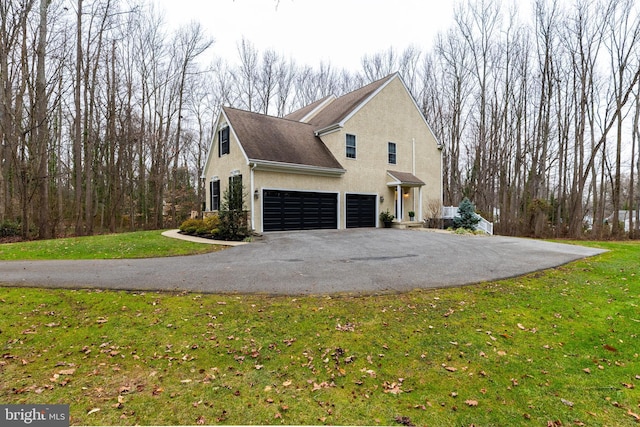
<point>559,347</point>
<point>141,244</point>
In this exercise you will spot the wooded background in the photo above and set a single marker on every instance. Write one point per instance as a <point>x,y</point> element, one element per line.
<point>106,114</point>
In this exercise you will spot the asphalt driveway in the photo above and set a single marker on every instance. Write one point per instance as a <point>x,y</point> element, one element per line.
<point>313,262</point>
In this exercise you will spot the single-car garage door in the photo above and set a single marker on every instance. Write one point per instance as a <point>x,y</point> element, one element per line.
<point>298,210</point>
<point>361,210</point>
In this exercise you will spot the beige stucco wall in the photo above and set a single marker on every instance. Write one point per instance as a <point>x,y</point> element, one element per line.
<point>400,122</point>
<point>391,116</point>
<point>222,166</point>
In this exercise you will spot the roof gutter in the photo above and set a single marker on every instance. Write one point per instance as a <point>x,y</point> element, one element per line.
<point>329,129</point>
<point>269,165</point>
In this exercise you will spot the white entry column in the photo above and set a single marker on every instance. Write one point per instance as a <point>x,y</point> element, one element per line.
<point>420,217</point>
<point>399,202</point>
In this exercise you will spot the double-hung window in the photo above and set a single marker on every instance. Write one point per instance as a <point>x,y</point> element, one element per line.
<point>351,146</point>
<point>214,194</point>
<point>223,139</point>
<point>392,153</point>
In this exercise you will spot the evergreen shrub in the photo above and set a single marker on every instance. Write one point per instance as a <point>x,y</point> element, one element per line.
<point>191,225</point>
<point>467,217</point>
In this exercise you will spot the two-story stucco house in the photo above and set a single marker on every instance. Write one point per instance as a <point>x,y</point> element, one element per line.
<point>336,163</point>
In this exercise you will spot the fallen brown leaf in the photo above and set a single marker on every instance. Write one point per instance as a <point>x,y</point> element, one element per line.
<point>393,388</point>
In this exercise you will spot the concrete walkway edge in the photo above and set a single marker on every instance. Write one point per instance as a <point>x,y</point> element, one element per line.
<point>175,234</point>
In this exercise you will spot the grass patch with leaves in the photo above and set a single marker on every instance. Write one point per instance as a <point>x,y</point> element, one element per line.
<point>140,244</point>
<point>558,347</point>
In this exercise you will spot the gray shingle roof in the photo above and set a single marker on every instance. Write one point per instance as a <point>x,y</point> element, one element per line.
<point>298,115</point>
<point>274,139</point>
<point>405,178</point>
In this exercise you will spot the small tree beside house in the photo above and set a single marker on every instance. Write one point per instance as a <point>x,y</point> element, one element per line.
<point>467,217</point>
<point>233,216</point>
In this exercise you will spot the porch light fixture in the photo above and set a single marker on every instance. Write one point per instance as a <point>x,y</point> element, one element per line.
<point>381,199</point>
<point>405,193</point>
<point>256,194</point>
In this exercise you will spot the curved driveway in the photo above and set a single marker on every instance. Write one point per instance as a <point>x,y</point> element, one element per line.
<point>312,262</point>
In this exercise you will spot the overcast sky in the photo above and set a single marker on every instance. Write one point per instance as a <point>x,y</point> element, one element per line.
<point>310,31</point>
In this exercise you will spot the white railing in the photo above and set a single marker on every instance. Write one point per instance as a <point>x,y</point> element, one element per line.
<point>484,225</point>
<point>449,211</point>
<point>452,212</point>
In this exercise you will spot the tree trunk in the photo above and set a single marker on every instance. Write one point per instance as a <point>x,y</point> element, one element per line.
<point>77,141</point>
<point>42,127</point>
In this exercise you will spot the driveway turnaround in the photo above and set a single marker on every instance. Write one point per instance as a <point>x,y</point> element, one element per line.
<point>313,262</point>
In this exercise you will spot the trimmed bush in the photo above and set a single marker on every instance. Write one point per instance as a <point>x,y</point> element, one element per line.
<point>208,227</point>
<point>212,222</point>
<point>201,231</point>
<point>191,225</point>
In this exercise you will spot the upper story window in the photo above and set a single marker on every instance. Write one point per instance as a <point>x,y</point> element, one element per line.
<point>351,146</point>
<point>223,138</point>
<point>392,153</point>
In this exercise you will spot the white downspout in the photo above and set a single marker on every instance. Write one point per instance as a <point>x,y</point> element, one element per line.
<point>252,198</point>
<point>413,156</point>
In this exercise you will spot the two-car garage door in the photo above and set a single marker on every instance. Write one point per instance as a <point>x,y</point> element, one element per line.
<point>306,210</point>
<point>299,210</point>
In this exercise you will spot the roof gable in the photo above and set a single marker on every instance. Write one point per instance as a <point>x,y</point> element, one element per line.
<point>343,107</point>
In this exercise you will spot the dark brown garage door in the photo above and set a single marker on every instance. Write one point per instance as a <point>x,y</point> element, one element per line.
<point>361,210</point>
<point>299,210</point>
